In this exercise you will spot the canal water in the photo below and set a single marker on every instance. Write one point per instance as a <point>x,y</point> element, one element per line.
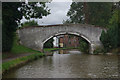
<point>69,64</point>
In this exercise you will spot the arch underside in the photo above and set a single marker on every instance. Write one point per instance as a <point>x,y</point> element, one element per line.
<point>63,33</point>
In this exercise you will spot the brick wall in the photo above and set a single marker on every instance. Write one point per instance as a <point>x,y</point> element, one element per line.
<point>69,41</point>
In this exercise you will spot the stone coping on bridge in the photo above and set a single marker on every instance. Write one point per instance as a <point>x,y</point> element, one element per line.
<point>53,25</point>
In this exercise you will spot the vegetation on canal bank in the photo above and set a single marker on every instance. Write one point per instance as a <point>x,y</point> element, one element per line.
<point>19,49</point>
<point>16,62</point>
<point>53,49</point>
<point>110,38</point>
<point>101,50</point>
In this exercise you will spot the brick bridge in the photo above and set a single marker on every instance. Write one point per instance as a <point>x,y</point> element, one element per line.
<point>35,36</point>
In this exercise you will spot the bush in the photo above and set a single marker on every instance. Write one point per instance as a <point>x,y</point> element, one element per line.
<point>84,45</point>
<point>30,23</point>
<point>110,39</point>
<point>99,50</point>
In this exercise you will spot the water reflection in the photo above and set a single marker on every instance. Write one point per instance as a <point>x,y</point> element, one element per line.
<point>69,64</point>
<point>72,51</point>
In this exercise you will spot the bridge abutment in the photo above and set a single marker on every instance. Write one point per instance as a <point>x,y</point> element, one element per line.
<point>94,46</point>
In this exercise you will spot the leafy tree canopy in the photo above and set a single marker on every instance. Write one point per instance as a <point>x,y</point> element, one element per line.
<point>29,23</point>
<point>111,39</point>
<point>96,13</point>
<point>12,13</point>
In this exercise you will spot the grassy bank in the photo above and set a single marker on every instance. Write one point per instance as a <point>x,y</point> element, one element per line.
<point>19,49</point>
<point>6,66</point>
<point>14,63</point>
<point>53,49</point>
<point>115,50</point>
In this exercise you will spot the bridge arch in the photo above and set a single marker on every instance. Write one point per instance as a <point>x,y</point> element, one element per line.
<point>34,37</point>
<point>63,33</point>
<point>69,33</point>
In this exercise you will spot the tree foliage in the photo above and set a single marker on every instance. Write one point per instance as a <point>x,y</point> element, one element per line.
<point>12,13</point>
<point>84,45</point>
<point>100,14</point>
<point>30,23</point>
<point>96,13</point>
<point>111,38</point>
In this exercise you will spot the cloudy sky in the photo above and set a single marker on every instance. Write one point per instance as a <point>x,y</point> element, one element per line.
<point>58,12</point>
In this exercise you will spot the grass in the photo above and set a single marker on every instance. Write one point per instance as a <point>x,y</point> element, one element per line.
<point>22,49</point>
<point>19,49</point>
<point>13,63</point>
<point>53,49</point>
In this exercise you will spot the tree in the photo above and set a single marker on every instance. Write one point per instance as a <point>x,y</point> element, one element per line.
<point>84,45</point>
<point>96,13</point>
<point>111,38</point>
<point>12,13</point>
<point>30,23</point>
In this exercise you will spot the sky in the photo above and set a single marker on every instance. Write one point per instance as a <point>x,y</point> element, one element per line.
<point>58,10</point>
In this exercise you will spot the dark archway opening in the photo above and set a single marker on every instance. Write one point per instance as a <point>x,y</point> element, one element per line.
<point>68,41</point>
<point>49,43</point>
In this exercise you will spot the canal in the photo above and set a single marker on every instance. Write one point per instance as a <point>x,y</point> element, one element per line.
<point>69,64</point>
